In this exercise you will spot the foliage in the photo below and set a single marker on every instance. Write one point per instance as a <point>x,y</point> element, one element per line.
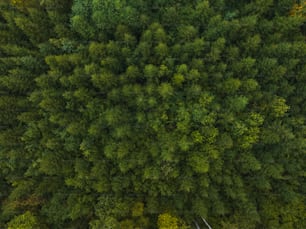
<point>167,221</point>
<point>24,221</point>
<point>146,114</point>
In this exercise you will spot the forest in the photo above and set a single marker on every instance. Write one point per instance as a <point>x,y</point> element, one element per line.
<point>140,114</point>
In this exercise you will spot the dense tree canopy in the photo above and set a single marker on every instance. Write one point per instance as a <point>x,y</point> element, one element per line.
<point>152,114</point>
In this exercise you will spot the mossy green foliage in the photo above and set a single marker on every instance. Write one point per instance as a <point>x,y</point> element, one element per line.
<point>168,221</point>
<point>25,221</point>
<point>139,114</point>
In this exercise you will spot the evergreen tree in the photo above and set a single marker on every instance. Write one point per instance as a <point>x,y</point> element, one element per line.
<point>146,114</point>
